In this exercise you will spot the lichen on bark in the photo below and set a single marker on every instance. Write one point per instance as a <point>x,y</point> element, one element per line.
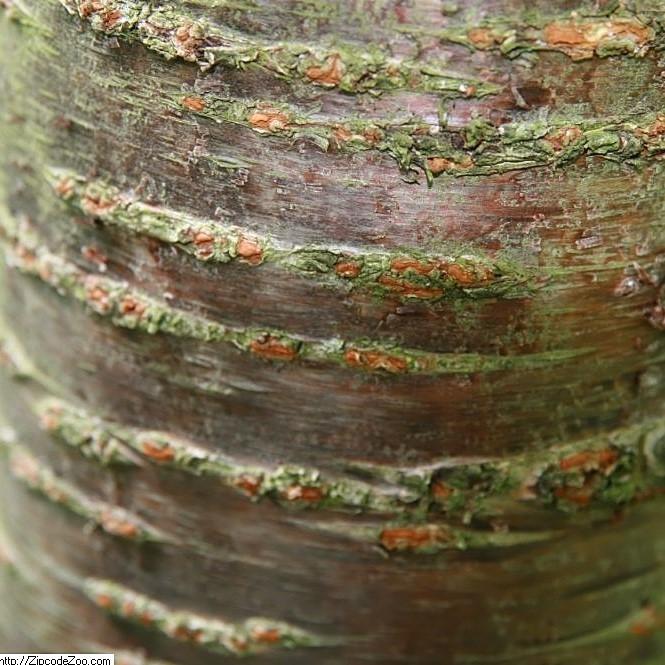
<point>327,324</point>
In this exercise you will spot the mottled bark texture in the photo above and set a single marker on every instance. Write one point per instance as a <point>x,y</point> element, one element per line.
<point>332,330</point>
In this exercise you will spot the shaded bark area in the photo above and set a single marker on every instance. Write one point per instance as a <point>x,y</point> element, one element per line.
<point>333,332</point>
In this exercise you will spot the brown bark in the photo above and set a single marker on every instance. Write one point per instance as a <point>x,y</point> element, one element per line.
<point>332,332</point>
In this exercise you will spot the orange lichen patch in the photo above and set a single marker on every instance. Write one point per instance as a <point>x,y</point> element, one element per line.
<point>413,538</point>
<point>250,250</point>
<point>202,238</point>
<point>439,165</point>
<point>159,452</point>
<point>420,267</point>
<point>103,600</point>
<point>347,269</point>
<point>184,633</point>
<point>94,255</point>
<point>97,204</point>
<point>483,38</point>
<point>45,272</point>
<point>580,40</point>
<point>375,360</point>
<point>393,70</point>
<point>647,622</point>
<point>64,188</point>
<point>328,74</point>
<point>196,104</point>
<point>421,130</point>
<point>441,490</point>
<point>578,495</point>
<point>50,418</point>
<point>409,289</point>
<point>205,244</point>
<point>590,460</point>
<point>98,297</point>
<point>563,137</point>
<point>342,134</point>
<point>188,39</point>
<point>568,34</point>
<point>131,307</point>
<point>146,618</point>
<point>118,526</point>
<point>371,135</point>
<point>270,347</point>
<point>130,610</point>
<point>303,493</point>
<point>268,120</point>
<point>27,256</point>
<point>111,18</point>
<point>89,7</point>
<point>476,276</point>
<point>52,491</point>
<point>25,467</point>
<point>657,128</point>
<point>239,644</point>
<point>249,484</point>
<point>266,635</point>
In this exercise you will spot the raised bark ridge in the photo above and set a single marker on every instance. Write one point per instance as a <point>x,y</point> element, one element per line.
<point>332,331</point>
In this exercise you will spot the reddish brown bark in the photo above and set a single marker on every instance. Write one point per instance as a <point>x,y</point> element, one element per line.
<point>332,332</point>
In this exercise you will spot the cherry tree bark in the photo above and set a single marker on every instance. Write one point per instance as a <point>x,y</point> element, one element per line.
<point>332,330</point>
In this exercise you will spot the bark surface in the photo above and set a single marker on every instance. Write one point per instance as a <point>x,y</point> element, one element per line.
<point>332,331</point>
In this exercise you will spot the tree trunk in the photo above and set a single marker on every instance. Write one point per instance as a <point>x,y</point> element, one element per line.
<point>333,330</point>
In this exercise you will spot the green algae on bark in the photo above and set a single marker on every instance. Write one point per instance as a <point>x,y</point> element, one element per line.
<point>598,473</point>
<point>114,520</point>
<point>255,635</point>
<point>252,636</point>
<point>129,308</point>
<point>174,34</point>
<point>423,145</point>
<point>479,148</point>
<point>619,32</point>
<point>601,473</point>
<point>435,150</point>
<point>587,574</point>
<point>286,485</point>
<point>89,435</point>
<point>474,494</point>
<point>407,275</point>
<point>429,538</point>
<point>419,536</point>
